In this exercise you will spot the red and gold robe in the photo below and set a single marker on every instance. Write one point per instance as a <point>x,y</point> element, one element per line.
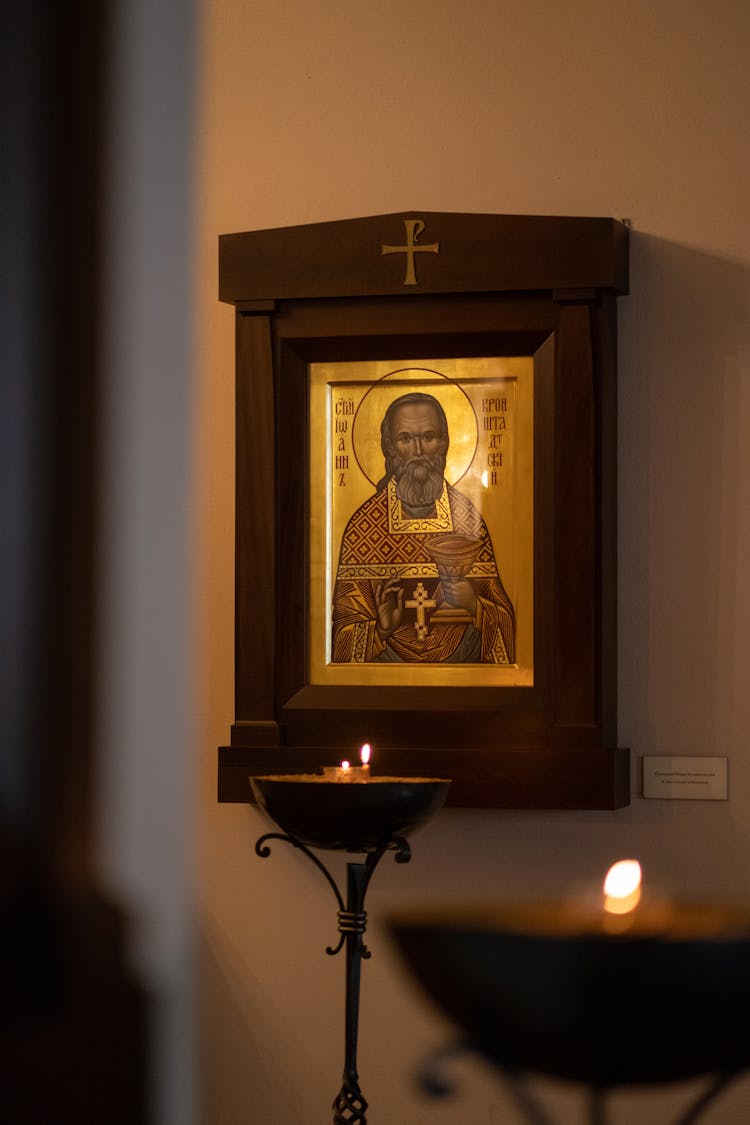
<point>380,544</point>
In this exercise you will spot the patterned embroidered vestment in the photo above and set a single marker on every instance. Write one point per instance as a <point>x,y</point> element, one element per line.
<point>380,543</point>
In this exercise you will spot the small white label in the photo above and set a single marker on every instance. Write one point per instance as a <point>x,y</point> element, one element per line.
<point>685,779</point>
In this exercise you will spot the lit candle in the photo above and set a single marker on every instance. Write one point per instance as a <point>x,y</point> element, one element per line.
<point>622,887</point>
<point>344,772</point>
<point>625,909</point>
<point>347,772</point>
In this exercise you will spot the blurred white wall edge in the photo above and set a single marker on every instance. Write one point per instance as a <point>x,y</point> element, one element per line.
<point>144,734</point>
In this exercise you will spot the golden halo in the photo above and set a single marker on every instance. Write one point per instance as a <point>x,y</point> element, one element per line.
<point>462,421</point>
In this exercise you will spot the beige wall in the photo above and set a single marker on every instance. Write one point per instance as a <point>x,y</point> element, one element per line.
<point>327,110</point>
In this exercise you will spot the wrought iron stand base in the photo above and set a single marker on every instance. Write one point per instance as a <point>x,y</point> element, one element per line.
<point>350,1104</point>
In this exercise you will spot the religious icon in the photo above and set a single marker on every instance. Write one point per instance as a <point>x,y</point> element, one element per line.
<point>416,522</point>
<point>427,524</point>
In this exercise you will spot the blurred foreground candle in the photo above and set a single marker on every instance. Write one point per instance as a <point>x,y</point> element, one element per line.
<point>622,887</point>
<point>626,904</point>
<point>558,986</point>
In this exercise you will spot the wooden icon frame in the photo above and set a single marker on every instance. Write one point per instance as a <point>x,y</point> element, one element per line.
<point>359,292</point>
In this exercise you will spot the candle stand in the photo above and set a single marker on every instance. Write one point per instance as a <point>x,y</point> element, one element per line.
<point>372,818</point>
<point>534,992</point>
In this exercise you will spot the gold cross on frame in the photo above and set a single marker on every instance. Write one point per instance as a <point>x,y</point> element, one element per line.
<point>421,602</point>
<point>414,228</point>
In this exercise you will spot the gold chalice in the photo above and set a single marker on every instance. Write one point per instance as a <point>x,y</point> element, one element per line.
<point>454,557</point>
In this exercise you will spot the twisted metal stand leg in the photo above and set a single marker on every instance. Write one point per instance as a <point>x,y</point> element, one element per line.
<point>716,1086</point>
<point>435,1083</point>
<point>350,1104</point>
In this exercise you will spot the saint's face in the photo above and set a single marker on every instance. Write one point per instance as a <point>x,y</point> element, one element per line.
<point>415,432</point>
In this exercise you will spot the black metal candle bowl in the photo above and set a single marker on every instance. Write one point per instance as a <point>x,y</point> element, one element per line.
<point>660,996</point>
<point>351,815</point>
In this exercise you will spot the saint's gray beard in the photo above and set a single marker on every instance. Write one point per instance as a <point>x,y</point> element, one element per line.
<point>419,482</point>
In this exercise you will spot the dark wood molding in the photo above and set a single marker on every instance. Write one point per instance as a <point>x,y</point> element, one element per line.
<point>255,552</point>
<point>478,254</point>
<point>531,779</point>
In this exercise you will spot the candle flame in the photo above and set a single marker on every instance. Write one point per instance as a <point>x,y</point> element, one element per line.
<point>622,887</point>
<point>345,765</point>
<point>364,754</point>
